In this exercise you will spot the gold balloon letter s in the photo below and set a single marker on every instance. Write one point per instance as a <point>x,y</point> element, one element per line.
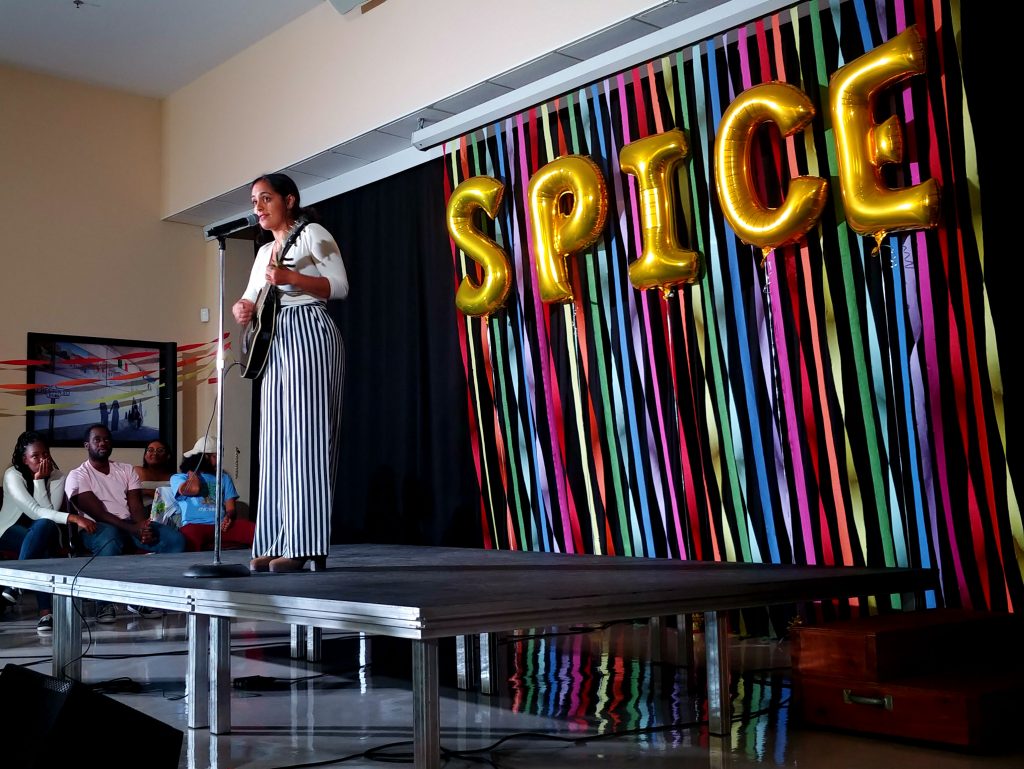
<point>557,234</point>
<point>863,146</point>
<point>486,193</point>
<point>664,263</point>
<point>768,228</point>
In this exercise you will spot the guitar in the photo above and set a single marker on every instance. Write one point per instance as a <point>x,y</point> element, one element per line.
<point>260,331</point>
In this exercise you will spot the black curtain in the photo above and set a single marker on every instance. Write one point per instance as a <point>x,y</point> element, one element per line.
<point>988,57</point>
<point>406,471</point>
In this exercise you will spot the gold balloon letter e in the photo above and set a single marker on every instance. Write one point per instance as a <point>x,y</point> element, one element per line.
<point>479,192</point>
<point>556,234</point>
<point>863,146</point>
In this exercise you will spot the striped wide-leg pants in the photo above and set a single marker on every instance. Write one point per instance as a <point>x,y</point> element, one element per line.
<point>300,422</point>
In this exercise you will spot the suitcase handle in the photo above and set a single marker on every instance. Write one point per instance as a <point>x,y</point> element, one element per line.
<point>885,701</point>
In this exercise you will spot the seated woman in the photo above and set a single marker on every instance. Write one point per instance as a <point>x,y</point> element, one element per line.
<point>156,469</point>
<point>195,490</point>
<point>33,505</point>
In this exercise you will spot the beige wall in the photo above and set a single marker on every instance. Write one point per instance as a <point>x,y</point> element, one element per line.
<point>326,78</point>
<point>86,249</point>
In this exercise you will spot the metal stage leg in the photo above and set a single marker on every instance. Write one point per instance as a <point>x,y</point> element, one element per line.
<point>197,674</point>
<point>684,641</point>
<point>306,643</point>
<point>655,630</point>
<point>467,661</point>
<point>426,727</point>
<point>314,644</point>
<point>220,675</point>
<point>718,752</point>
<point>716,647</point>
<point>67,637</point>
<point>492,664</point>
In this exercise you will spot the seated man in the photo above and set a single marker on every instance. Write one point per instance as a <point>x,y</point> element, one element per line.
<point>110,493</point>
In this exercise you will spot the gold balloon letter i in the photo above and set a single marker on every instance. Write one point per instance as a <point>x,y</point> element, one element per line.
<point>557,234</point>
<point>486,193</point>
<point>663,263</point>
<point>754,222</point>
<point>863,147</point>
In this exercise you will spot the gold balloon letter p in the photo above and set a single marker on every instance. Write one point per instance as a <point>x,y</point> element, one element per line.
<point>863,147</point>
<point>557,234</point>
<point>479,192</point>
<point>768,228</point>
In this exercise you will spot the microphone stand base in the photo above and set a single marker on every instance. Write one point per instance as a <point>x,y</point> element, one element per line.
<point>214,570</point>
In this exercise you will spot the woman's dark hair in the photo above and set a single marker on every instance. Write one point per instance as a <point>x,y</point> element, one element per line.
<point>197,464</point>
<point>284,186</point>
<point>25,440</point>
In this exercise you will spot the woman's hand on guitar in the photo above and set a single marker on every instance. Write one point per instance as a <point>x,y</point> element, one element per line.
<point>242,310</point>
<point>279,276</point>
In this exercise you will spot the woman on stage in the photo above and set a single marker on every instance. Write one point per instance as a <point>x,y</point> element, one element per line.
<point>301,388</point>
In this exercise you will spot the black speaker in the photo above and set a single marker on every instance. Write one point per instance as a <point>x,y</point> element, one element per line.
<point>49,722</point>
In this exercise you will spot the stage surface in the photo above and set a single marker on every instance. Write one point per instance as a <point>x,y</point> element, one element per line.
<point>427,593</point>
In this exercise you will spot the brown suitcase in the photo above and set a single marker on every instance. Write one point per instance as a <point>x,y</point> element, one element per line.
<point>948,676</point>
<point>962,709</point>
<point>897,645</point>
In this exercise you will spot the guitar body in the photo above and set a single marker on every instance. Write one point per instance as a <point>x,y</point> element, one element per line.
<point>260,332</point>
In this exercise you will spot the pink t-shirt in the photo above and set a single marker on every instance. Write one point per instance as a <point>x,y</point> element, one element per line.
<point>111,489</point>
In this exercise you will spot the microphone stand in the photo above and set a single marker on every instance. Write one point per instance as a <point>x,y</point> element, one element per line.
<point>217,568</point>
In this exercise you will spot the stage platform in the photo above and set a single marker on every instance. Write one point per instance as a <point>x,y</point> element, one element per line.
<point>428,593</point>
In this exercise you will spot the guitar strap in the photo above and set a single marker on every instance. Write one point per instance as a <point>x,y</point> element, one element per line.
<point>298,227</point>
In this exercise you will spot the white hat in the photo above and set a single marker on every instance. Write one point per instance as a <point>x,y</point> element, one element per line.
<point>203,446</point>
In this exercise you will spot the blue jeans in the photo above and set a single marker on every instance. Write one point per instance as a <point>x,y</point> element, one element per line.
<point>39,540</point>
<point>110,540</point>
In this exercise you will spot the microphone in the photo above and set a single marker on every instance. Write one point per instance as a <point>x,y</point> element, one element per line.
<point>234,226</point>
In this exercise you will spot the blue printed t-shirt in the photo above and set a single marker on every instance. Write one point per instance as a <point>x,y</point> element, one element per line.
<point>201,509</point>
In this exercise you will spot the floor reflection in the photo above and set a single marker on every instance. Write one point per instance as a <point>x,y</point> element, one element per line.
<point>582,696</point>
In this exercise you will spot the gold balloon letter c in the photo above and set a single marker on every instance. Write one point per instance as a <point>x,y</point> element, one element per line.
<point>768,228</point>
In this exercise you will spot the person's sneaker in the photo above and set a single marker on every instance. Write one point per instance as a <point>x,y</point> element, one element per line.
<point>45,624</point>
<point>145,612</point>
<point>11,594</point>
<point>106,614</point>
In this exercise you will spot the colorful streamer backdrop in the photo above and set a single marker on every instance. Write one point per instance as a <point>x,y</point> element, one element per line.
<point>831,406</point>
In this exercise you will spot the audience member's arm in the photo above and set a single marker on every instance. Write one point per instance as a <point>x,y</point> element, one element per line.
<point>193,485</point>
<point>136,508</point>
<point>35,504</point>
<point>229,515</point>
<point>88,503</point>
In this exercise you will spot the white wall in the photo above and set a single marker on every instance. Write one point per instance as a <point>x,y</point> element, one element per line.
<point>326,78</point>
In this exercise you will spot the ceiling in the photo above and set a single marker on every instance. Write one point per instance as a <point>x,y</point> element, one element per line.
<point>154,47</point>
<point>146,47</point>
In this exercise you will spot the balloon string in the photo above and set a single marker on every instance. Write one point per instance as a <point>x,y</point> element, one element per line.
<point>772,350</point>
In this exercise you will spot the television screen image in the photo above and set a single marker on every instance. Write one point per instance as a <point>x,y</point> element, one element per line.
<point>127,385</point>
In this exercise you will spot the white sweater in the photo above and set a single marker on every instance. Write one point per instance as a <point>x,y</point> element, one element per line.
<point>46,497</point>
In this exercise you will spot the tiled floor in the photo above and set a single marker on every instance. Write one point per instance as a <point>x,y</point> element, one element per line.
<point>573,697</point>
